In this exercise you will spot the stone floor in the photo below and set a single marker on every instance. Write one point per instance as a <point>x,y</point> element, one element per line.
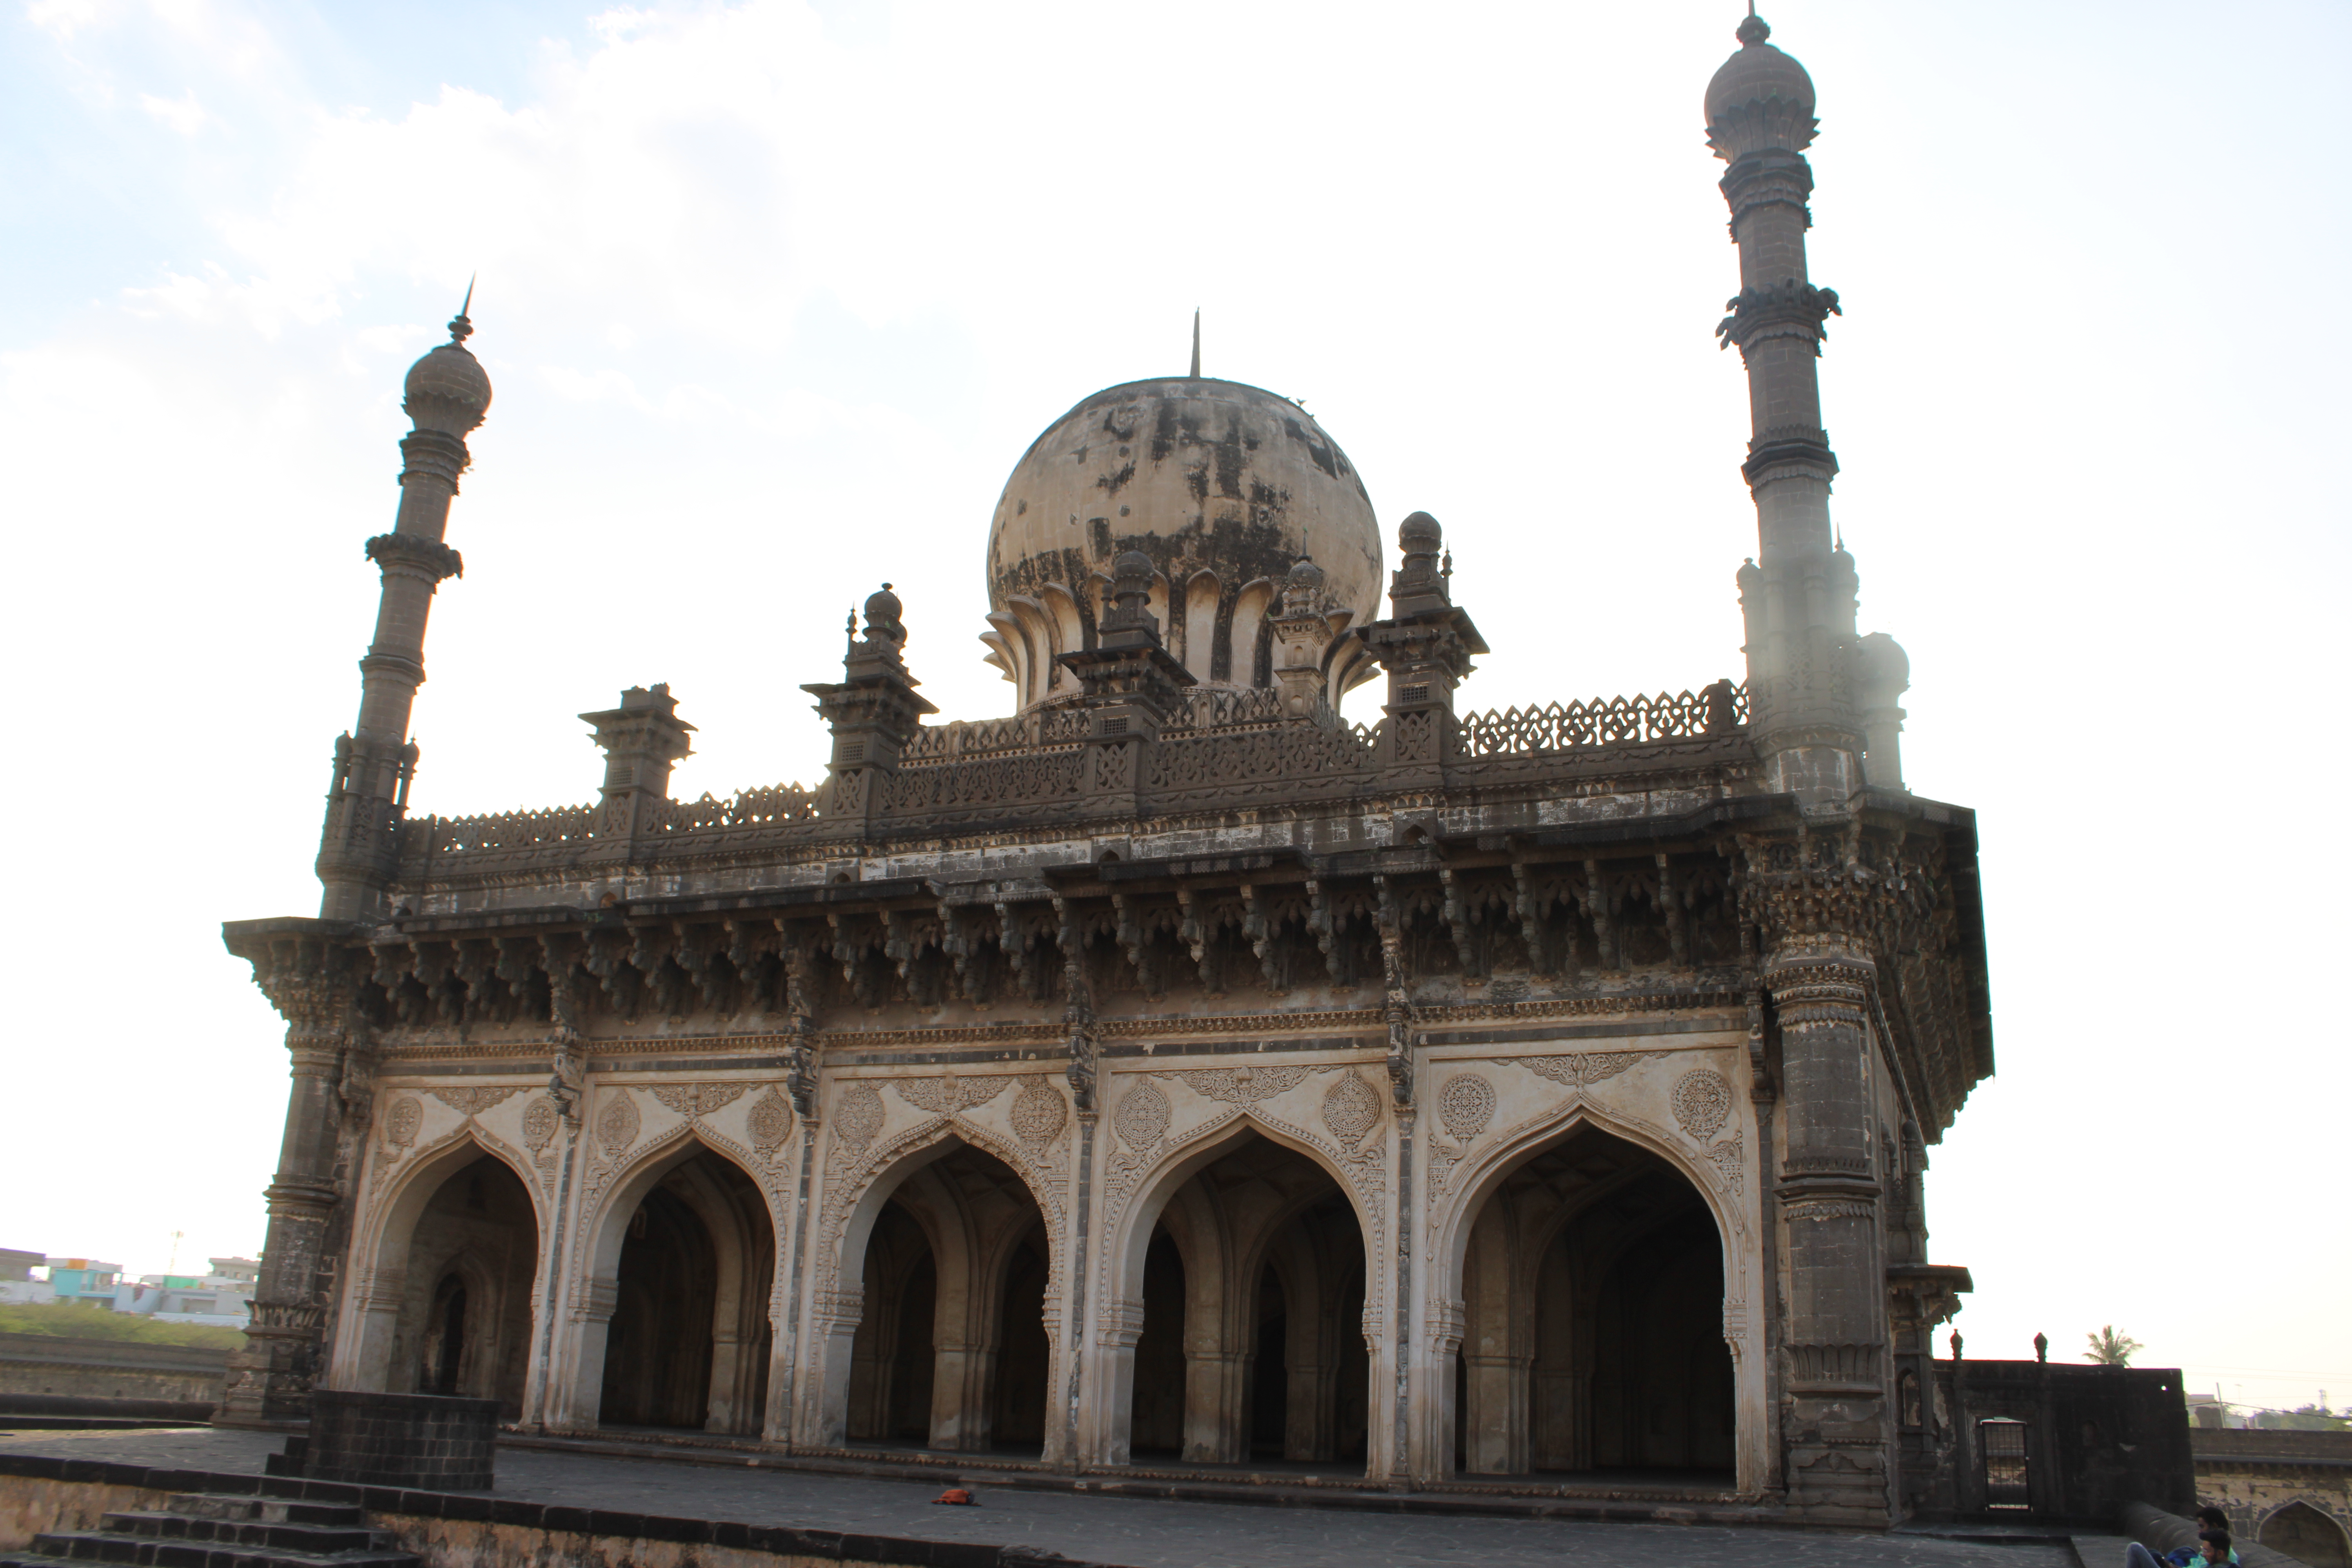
<point>1134,1532</point>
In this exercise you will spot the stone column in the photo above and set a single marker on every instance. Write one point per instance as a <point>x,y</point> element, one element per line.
<point>312,982</point>
<point>1835,1420</point>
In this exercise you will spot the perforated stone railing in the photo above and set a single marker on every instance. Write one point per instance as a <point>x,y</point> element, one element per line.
<point>1237,741</point>
<point>953,742</point>
<point>1223,708</point>
<point>769,806</point>
<point>1714,710</point>
<point>509,830</point>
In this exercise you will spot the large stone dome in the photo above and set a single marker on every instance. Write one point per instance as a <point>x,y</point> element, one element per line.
<point>1226,487</point>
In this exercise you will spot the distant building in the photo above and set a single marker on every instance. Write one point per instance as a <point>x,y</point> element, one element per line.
<point>222,1298</point>
<point>83,1280</point>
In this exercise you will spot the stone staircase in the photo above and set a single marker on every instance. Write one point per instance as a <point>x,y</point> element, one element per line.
<point>203,1530</point>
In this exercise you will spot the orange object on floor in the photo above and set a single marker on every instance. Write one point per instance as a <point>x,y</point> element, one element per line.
<point>956,1495</point>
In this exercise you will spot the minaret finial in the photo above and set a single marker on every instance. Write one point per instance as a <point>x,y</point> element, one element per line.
<point>1755,29</point>
<point>463,327</point>
<point>1196,343</point>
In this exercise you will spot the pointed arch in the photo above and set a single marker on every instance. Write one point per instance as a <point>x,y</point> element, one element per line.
<point>383,1290</point>
<point>732,1402</point>
<point>1221,1269</point>
<point>856,1194</point>
<point>1491,1327</point>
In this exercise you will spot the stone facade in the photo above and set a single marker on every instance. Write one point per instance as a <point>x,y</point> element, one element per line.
<point>2289,1490</point>
<point>1172,1072</point>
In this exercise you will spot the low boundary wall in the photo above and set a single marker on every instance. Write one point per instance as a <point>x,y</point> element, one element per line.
<point>451,1530</point>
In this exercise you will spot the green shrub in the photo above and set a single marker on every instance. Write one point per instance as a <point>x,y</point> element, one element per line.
<point>68,1320</point>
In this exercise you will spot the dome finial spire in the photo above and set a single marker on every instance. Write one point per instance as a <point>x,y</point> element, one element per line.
<point>463,327</point>
<point>1755,29</point>
<point>1196,343</point>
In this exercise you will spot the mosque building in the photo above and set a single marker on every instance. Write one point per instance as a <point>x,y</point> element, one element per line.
<point>1174,1073</point>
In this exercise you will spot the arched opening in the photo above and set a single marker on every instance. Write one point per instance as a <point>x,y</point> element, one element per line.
<point>464,1319</point>
<point>951,1350</point>
<point>2305,1533</point>
<point>1250,1345</point>
<point>688,1343</point>
<point>1592,1321</point>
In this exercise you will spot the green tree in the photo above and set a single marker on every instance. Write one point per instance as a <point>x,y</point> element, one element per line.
<point>2109,1348</point>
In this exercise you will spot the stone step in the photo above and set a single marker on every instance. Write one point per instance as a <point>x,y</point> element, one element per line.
<point>278,1510</point>
<point>90,1546</point>
<point>269,1532</point>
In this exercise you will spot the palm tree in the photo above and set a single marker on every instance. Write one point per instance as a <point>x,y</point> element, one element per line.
<point>2109,1348</point>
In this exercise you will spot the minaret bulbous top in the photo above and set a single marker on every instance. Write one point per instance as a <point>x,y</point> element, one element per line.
<point>447,390</point>
<point>1760,99</point>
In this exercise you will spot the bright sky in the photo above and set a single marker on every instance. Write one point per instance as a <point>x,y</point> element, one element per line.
<point>774,294</point>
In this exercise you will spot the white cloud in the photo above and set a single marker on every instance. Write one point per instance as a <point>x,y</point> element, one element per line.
<point>183,114</point>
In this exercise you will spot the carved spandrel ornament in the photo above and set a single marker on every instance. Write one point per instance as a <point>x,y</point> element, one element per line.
<point>770,1122</point>
<point>857,1118</point>
<point>1352,1108</point>
<point>1466,1105</point>
<point>401,1121</point>
<point>1039,1114</point>
<point>695,1100</point>
<point>474,1101</point>
<point>1142,1115</point>
<point>1702,1103</point>
<point>617,1125</point>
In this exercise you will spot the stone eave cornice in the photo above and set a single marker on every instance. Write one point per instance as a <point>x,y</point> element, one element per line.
<point>1319,1028</point>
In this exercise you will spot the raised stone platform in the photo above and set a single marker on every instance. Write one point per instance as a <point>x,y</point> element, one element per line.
<point>618,1497</point>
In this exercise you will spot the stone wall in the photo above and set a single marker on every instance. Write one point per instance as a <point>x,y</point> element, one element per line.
<point>110,1369</point>
<point>2291,1490</point>
<point>38,1494</point>
<point>2096,1438</point>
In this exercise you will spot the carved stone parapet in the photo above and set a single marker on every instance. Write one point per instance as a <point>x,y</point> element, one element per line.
<point>414,555</point>
<point>1785,309</point>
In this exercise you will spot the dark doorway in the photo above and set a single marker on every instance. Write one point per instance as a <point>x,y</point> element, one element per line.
<point>1269,1371</point>
<point>1157,1424</point>
<point>658,1351</point>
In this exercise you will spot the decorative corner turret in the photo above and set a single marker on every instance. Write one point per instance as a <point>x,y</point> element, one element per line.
<point>1425,646</point>
<point>1303,635</point>
<point>642,740</point>
<point>1130,683</point>
<point>873,711</point>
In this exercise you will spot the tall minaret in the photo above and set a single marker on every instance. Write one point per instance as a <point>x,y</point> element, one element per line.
<point>1810,685</point>
<point>446,396</point>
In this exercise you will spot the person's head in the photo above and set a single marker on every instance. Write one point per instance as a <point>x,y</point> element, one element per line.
<point>2216,1545</point>
<point>2212,1518</point>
